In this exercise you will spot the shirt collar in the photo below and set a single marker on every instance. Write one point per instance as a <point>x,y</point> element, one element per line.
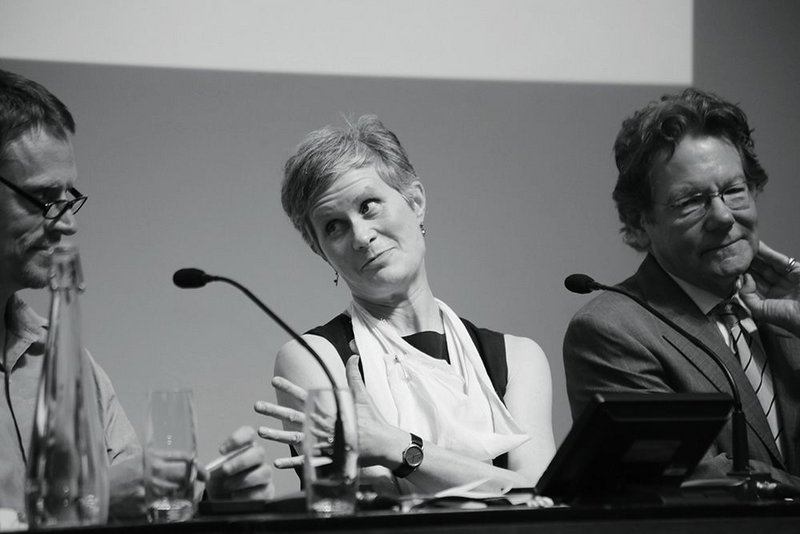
<point>24,328</point>
<point>705,300</point>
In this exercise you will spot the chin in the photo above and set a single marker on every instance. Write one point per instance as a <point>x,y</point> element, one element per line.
<point>734,266</point>
<point>731,262</point>
<point>34,283</point>
<point>34,277</point>
<point>720,280</point>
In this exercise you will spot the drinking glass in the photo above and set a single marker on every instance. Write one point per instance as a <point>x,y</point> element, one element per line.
<point>331,452</point>
<point>169,456</point>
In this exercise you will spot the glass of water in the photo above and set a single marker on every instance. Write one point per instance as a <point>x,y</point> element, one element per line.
<point>169,456</point>
<point>330,446</point>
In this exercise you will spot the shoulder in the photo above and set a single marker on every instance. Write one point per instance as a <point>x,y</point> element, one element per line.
<point>522,345</point>
<point>606,307</point>
<point>612,318</point>
<point>515,347</point>
<point>612,340</point>
<point>120,436</point>
<point>340,326</point>
<point>107,397</point>
<point>477,331</point>
<point>339,332</point>
<point>525,357</point>
<point>490,343</point>
<point>103,382</point>
<point>612,307</point>
<point>295,363</point>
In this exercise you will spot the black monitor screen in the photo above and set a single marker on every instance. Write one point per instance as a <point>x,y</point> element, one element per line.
<point>624,442</point>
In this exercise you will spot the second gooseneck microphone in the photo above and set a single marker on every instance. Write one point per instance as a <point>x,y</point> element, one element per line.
<point>191,278</point>
<point>582,283</point>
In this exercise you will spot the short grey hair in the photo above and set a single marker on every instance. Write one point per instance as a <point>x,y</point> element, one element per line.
<point>328,153</point>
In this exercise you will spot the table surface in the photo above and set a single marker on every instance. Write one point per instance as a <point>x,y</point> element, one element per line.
<point>699,517</point>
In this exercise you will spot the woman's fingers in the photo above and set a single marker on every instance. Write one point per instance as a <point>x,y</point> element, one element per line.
<point>289,388</point>
<point>289,437</point>
<point>277,411</point>
<point>289,462</point>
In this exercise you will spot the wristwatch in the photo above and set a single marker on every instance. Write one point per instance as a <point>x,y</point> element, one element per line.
<point>412,458</point>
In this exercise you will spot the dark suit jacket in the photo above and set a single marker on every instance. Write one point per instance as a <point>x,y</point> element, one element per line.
<point>612,344</point>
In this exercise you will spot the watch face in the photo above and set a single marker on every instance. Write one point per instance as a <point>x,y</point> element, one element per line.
<point>413,456</point>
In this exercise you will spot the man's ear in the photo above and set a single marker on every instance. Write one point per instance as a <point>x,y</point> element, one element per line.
<point>636,234</point>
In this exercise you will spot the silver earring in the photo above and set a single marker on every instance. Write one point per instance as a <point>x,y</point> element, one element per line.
<point>422,229</point>
<point>336,280</point>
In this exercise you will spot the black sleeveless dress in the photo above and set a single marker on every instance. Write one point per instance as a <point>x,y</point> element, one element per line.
<point>490,344</point>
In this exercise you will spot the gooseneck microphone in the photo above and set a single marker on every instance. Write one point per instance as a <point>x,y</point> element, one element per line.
<point>191,278</point>
<point>576,283</point>
<point>582,283</point>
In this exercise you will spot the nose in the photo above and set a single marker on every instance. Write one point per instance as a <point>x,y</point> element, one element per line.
<point>363,234</point>
<point>66,224</point>
<point>719,214</point>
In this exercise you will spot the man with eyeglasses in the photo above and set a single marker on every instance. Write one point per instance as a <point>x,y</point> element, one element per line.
<point>686,195</point>
<point>38,203</point>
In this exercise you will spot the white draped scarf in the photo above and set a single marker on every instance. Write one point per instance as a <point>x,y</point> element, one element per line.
<point>454,406</point>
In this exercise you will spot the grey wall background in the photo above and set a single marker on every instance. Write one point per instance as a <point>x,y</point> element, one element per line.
<point>183,169</point>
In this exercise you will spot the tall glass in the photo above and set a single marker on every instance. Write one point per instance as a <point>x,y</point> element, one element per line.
<point>169,456</point>
<point>331,456</point>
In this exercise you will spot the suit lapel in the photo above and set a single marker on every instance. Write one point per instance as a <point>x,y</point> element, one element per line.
<point>665,295</point>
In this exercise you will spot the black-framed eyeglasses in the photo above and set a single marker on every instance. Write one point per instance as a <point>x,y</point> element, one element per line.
<point>738,196</point>
<point>56,208</point>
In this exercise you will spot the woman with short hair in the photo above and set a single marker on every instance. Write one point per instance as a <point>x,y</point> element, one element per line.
<point>478,400</point>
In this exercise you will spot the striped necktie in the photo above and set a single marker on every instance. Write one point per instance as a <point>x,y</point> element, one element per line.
<point>746,344</point>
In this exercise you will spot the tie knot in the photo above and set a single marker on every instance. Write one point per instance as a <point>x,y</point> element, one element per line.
<point>730,312</point>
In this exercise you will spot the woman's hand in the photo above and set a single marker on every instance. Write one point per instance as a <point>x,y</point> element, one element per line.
<point>771,289</point>
<point>292,422</point>
<point>376,439</point>
<point>378,442</point>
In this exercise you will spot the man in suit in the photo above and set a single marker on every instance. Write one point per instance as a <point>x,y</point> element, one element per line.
<point>686,195</point>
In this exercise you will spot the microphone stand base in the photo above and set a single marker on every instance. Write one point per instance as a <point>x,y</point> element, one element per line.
<point>747,486</point>
<point>760,486</point>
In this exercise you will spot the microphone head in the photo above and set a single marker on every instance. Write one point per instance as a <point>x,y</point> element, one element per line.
<point>190,278</point>
<point>580,283</point>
